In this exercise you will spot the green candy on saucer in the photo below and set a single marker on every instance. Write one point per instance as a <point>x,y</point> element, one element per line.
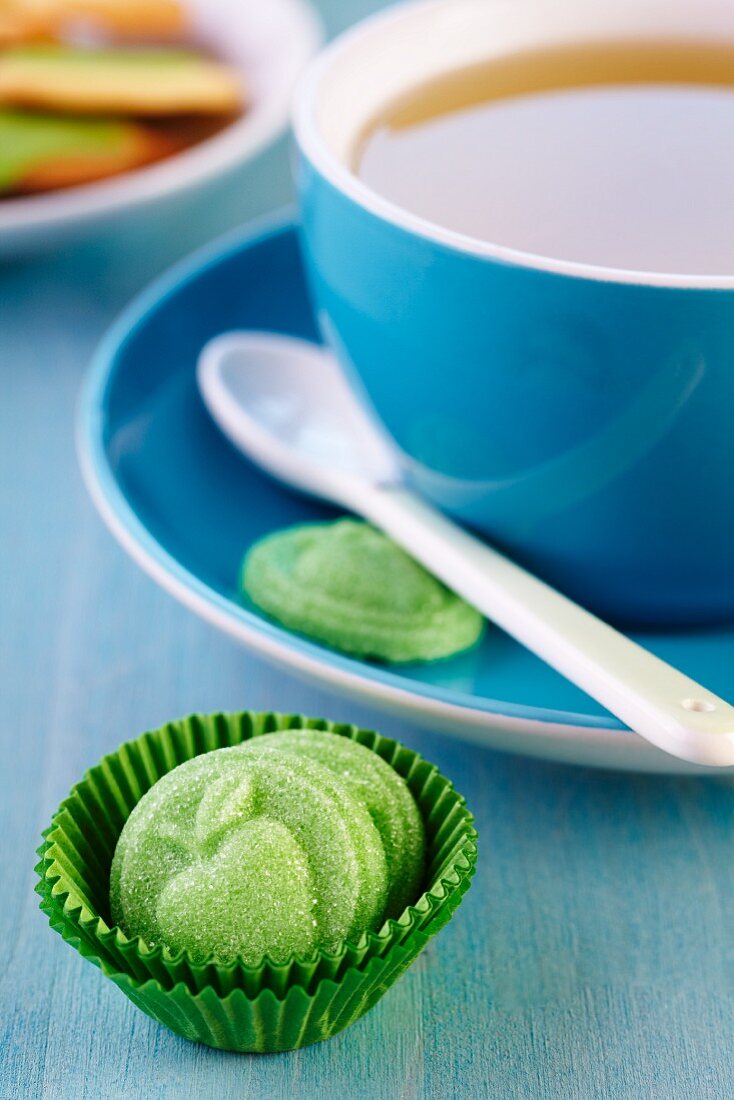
<point>267,849</point>
<point>346,584</point>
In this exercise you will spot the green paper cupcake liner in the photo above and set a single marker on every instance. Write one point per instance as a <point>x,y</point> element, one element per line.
<point>270,1007</point>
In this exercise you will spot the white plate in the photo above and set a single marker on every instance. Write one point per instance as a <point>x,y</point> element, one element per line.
<point>270,41</point>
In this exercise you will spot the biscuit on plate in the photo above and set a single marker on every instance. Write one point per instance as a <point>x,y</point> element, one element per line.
<point>19,23</point>
<point>103,81</point>
<point>23,20</point>
<point>44,152</point>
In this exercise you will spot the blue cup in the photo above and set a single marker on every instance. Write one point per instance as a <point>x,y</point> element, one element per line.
<point>581,417</point>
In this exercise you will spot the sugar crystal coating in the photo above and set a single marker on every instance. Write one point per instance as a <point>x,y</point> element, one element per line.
<point>270,847</point>
<point>348,585</point>
<point>385,794</point>
<point>233,855</point>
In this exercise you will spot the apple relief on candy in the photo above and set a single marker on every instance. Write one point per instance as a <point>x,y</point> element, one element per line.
<point>287,844</point>
<point>346,584</point>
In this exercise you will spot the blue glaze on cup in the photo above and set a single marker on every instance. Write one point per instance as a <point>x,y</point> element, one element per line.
<point>583,423</point>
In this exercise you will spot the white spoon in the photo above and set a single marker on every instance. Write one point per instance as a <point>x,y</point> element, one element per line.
<point>286,404</point>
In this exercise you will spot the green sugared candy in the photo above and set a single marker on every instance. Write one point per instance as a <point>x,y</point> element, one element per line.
<point>346,584</point>
<point>288,843</point>
<point>384,793</point>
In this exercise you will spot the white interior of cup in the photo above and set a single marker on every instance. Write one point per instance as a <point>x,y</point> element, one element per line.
<point>372,65</point>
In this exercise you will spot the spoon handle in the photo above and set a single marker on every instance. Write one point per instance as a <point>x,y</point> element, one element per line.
<point>651,697</point>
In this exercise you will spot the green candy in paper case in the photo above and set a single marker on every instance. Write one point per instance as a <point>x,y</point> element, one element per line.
<point>369,850</point>
<point>270,849</point>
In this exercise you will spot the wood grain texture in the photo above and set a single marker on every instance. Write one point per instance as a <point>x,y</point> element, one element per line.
<point>593,956</point>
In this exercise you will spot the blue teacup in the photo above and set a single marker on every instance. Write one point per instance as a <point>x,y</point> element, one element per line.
<point>581,417</point>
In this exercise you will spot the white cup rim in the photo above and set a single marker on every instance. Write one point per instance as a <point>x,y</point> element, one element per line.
<point>315,148</point>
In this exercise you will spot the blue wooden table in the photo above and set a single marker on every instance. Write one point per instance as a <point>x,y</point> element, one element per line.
<point>592,958</point>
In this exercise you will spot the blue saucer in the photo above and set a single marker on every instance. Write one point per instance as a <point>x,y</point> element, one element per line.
<point>186,506</point>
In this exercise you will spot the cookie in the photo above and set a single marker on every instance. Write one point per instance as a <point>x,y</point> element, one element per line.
<point>23,20</point>
<point>136,82</point>
<point>42,152</point>
<point>20,24</point>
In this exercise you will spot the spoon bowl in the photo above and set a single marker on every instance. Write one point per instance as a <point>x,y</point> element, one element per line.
<point>286,403</point>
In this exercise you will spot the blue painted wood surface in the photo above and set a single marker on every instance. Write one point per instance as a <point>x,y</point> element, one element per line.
<point>593,956</point>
